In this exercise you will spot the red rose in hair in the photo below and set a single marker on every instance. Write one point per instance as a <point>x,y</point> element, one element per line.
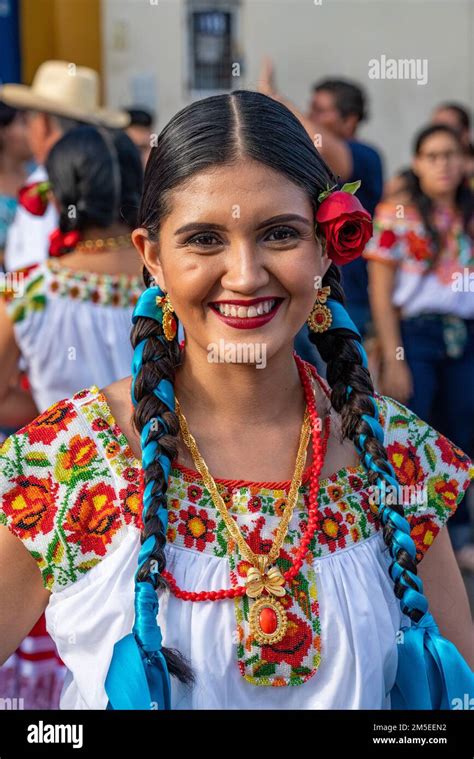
<point>345,223</point>
<point>34,197</point>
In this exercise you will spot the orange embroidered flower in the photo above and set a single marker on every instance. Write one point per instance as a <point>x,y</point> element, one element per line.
<point>406,463</point>
<point>443,493</point>
<point>31,505</point>
<point>46,427</point>
<point>331,529</point>
<point>279,506</point>
<point>94,519</point>
<point>80,453</point>
<point>335,492</point>
<point>111,449</point>
<point>423,531</point>
<point>131,503</point>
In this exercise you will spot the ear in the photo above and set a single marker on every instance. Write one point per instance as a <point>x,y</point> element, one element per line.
<point>149,253</point>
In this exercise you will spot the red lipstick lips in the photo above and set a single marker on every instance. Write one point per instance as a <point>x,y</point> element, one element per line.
<point>247,322</point>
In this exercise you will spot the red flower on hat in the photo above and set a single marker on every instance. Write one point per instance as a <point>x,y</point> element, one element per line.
<point>60,242</point>
<point>345,223</point>
<point>34,197</point>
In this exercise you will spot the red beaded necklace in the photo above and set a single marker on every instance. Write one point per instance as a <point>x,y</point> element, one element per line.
<point>319,452</point>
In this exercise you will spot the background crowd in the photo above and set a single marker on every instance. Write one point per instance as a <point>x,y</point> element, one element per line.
<point>70,184</point>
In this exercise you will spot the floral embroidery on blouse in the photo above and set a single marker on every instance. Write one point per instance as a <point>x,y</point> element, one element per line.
<point>54,279</point>
<point>69,489</point>
<point>402,239</point>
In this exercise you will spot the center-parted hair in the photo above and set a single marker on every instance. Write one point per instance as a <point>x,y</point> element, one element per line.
<point>216,131</point>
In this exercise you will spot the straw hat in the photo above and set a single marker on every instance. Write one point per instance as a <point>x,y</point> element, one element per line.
<point>64,89</point>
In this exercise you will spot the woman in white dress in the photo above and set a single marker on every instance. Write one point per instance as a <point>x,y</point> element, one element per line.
<point>261,583</point>
<point>69,318</point>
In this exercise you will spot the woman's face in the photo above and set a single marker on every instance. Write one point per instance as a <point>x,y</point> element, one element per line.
<point>238,257</point>
<point>439,164</point>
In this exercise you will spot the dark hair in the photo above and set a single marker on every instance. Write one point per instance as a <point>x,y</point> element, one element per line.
<point>464,198</point>
<point>7,114</point>
<point>350,99</point>
<point>140,117</point>
<point>131,177</point>
<point>462,113</point>
<point>85,179</point>
<point>220,130</point>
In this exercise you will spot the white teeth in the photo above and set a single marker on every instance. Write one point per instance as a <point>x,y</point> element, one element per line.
<point>244,312</point>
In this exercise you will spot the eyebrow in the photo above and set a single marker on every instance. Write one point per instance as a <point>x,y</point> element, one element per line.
<point>196,226</point>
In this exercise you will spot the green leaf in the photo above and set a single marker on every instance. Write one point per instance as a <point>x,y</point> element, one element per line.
<point>264,669</point>
<point>431,456</point>
<point>351,187</point>
<point>37,459</point>
<point>301,671</point>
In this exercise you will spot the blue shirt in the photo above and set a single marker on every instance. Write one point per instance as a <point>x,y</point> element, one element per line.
<point>366,166</point>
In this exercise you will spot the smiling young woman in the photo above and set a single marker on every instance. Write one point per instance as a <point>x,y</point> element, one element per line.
<point>253,500</point>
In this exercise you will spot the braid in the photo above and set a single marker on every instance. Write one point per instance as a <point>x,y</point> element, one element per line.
<point>159,360</point>
<point>352,394</point>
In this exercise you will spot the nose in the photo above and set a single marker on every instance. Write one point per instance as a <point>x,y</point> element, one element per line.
<point>245,270</point>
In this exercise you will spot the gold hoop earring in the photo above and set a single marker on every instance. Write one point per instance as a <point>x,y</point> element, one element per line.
<point>170,326</point>
<point>320,318</point>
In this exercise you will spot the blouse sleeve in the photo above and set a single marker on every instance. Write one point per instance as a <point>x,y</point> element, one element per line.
<point>433,473</point>
<point>25,305</point>
<point>57,495</point>
<point>388,243</point>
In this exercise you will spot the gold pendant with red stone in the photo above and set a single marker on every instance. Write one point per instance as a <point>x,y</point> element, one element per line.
<point>268,620</point>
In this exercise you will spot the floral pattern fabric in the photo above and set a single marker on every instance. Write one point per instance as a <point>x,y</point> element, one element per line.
<point>400,239</point>
<point>70,490</point>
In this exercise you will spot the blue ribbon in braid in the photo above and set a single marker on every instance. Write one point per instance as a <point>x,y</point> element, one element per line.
<point>431,672</point>
<point>138,676</point>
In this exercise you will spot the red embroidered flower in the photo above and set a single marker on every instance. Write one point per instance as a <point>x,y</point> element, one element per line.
<point>99,424</point>
<point>196,528</point>
<point>130,474</point>
<point>418,246</point>
<point>293,647</point>
<point>346,225</point>
<point>46,427</point>
<point>34,197</point>
<point>355,482</point>
<point>331,529</point>
<point>194,493</point>
<point>31,504</point>
<point>94,519</point>
<point>423,531</point>
<point>452,455</point>
<point>131,502</point>
<point>387,239</point>
<point>406,463</point>
<point>254,504</point>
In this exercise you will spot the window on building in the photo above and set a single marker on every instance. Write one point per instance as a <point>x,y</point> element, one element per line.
<point>212,38</point>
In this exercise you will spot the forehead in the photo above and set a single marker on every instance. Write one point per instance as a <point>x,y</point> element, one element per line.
<point>438,140</point>
<point>244,188</point>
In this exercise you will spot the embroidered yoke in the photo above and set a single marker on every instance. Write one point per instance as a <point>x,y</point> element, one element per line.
<point>69,491</point>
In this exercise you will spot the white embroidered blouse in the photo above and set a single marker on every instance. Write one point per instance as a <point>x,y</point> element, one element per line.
<point>69,491</point>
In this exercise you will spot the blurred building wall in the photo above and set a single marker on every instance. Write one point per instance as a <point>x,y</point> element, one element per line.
<point>146,54</point>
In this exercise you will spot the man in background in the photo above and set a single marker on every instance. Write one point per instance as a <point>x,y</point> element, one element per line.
<point>140,131</point>
<point>62,96</point>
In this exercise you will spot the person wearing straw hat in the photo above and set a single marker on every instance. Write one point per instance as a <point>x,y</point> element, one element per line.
<point>61,96</point>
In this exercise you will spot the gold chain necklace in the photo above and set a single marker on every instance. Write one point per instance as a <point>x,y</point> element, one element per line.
<point>267,618</point>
